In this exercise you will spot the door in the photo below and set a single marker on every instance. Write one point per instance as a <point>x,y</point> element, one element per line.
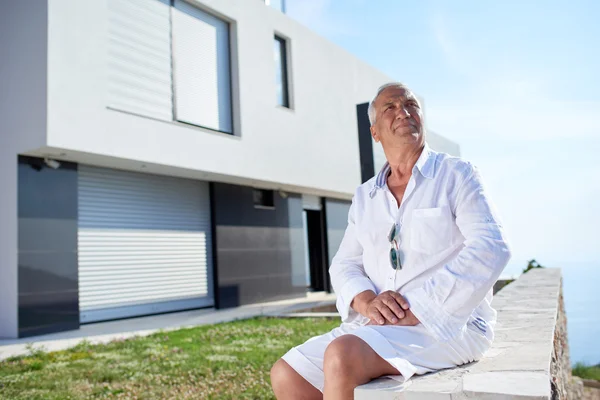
<point>317,261</point>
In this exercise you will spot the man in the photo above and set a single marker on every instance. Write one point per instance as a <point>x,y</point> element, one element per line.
<point>414,272</point>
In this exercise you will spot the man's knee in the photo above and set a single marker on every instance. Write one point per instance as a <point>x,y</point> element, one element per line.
<point>288,384</point>
<point>342,357</point>
<point>280,373</point>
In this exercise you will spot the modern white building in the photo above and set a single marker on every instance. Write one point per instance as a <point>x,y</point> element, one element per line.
<point>158,156</point>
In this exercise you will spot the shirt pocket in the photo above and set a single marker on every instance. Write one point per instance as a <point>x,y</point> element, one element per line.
<point>431,229</point>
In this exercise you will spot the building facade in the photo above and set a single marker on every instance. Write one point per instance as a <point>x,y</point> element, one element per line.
<point>158,156</point>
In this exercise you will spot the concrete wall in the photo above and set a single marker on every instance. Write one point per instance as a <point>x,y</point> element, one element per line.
<point>22,127</point>
<point>311,148</point>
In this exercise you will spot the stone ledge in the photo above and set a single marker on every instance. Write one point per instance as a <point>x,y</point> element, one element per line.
<point>522,363</point>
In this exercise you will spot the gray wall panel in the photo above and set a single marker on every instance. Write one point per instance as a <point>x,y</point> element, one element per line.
<point>48,277</point>
<point>260,252</point>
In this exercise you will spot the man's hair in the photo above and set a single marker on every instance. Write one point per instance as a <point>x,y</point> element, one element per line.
<point>398,85</point>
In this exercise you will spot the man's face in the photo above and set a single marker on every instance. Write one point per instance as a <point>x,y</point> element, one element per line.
<point>398,117</point>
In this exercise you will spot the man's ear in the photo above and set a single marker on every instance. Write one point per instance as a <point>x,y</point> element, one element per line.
<point>374,134</point>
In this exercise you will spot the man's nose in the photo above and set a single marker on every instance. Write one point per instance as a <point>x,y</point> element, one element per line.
<point>402,113</point>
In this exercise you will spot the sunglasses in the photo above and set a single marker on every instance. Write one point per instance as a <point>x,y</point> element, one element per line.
<point>395,250</point>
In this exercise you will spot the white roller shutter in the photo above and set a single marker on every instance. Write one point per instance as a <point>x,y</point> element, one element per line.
<point>144,244</point>
<point>139,58</point>
<point>201,68</point>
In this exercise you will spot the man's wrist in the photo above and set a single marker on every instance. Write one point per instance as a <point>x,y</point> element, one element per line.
<point>361,301</point>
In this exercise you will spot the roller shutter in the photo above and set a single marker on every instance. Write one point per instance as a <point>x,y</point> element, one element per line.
<point>144,244</point>
<point>139,58</point>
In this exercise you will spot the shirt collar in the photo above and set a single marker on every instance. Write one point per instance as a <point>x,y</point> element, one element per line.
<point>425,164</point>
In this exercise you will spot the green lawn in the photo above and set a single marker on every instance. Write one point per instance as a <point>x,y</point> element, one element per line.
<point>587,371</point>
<point>224,361</point>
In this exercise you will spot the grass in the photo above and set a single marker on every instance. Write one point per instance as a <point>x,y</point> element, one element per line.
<point>587,371</point>
<point>224,361</point>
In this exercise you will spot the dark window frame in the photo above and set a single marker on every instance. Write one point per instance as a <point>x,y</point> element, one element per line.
<point>284,70</point>
<point>230,51</point>
<point>263,199</point>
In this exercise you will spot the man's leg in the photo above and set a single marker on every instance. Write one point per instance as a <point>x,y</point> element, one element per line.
<point>350,362</point>
<point>288,384</point>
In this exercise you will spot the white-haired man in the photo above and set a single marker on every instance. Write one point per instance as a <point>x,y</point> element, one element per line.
<point>414,272</point>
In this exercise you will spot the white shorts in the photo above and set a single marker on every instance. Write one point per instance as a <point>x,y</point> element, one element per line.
<point>410,349</point>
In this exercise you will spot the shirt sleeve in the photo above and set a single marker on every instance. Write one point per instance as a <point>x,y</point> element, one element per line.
<point>348,276</point>
<point>444,303</point>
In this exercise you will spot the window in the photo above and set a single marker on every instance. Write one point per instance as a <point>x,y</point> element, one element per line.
<point>281,72</point>
<point>201,68</point>
<point>276,4</point>
<point>263,198</point>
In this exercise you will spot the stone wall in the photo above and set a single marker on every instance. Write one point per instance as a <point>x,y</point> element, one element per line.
<point>529,358</point>
<point>564,385</point>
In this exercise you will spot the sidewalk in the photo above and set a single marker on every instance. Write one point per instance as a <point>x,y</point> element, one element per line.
<point>104,332</point>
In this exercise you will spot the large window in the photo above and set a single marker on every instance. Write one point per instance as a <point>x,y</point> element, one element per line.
<point>201,68</point>
<point>281,72</point>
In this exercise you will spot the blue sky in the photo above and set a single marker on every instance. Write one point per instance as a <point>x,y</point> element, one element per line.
<point>516,84</point>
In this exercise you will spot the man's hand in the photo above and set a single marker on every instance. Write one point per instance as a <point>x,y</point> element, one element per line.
<point>387,308</point>
<point>408,320</point>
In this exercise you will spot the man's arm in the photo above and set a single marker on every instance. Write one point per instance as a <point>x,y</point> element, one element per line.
<point>445,301</point>
<point>348,276</point>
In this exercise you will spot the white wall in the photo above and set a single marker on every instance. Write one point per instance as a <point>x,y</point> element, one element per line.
<point>22,127</point>
<point>313,147</point>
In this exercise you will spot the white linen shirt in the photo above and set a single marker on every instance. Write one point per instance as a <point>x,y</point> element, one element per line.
<point>452,246</point>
